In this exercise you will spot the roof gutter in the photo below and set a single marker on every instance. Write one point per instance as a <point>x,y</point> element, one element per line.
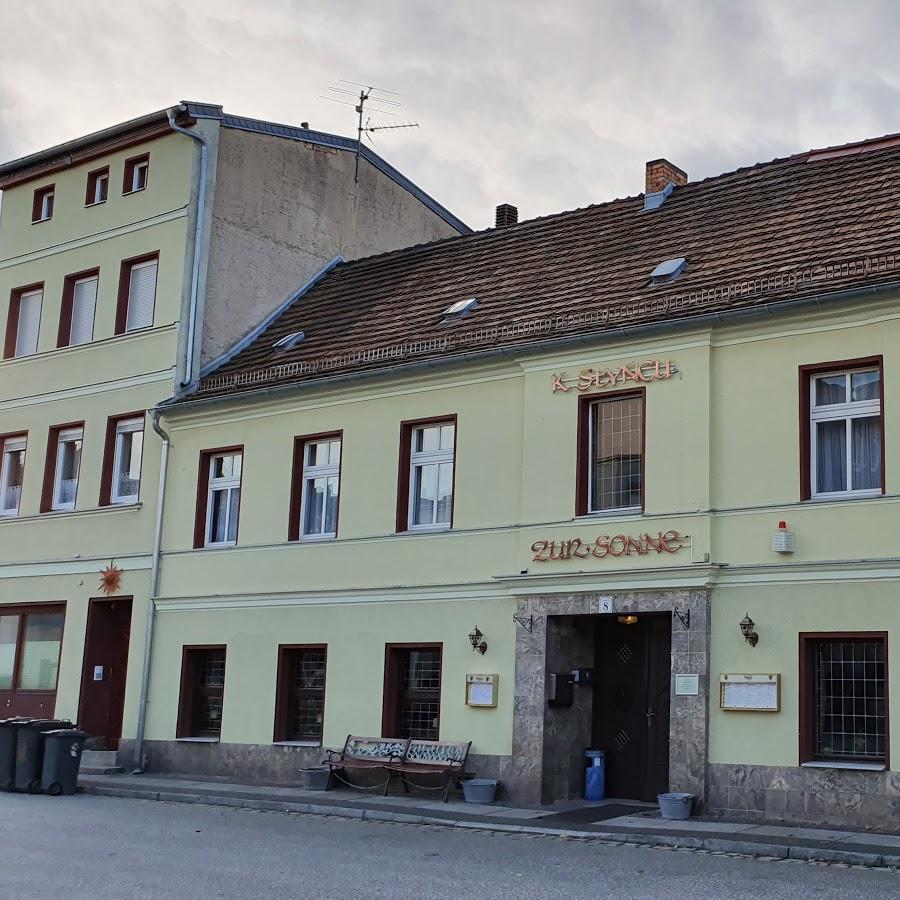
<point>172,405</point>
<point>187,377</point>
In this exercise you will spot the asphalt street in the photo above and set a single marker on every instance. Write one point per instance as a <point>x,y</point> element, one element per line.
<point>100,847</point>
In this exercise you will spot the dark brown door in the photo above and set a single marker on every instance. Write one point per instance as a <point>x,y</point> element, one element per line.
<point>105,668</point>
<point>631,704</point>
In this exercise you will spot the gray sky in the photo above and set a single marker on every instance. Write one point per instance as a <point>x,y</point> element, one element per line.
<point>547,106</point>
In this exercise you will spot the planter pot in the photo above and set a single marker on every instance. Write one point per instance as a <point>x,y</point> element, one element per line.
<point>675,805</point>
<point>480,790</point>
<point>315,778</point>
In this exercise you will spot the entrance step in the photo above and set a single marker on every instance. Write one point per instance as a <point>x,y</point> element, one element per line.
<point>100,762</point>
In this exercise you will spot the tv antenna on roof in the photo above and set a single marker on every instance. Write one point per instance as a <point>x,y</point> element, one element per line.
<point>369,98</point>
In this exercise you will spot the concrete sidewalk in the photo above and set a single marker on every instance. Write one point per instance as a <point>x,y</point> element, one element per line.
<point>641,823</point>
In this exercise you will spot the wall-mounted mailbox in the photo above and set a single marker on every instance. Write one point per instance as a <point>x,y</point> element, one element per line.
<point>559,689</point>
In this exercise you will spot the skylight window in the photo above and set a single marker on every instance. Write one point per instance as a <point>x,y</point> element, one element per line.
<point>461,308</point>
<point>668,270</point>
<point>289,340</point>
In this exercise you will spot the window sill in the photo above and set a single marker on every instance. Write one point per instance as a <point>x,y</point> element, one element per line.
<point>316,538</point>
<point>846,495</point>
<point>135,191</point>
<point>39,221</point>
<point>623,512</point>
<point>426,529</point>
<point>95,203</point>
<point>297,744</point>
<point>229,546</point>
<point>835,764</point>
<point>197,740</point>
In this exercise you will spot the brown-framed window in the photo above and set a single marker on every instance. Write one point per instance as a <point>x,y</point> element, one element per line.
<point>12,471</point>
<point>218,497</point>
<point>97,189</point>
<point>63,467</point>
<point>137,174</point>
<point>137,292</point>
<point>315,487</point>
<point>79,301</point>
<point>42,204</point>
<point>610,459</point>
<point>844,697</point>
<point>300,692</point>
<point>30,643</point>
<point>427,474</point>
<point>23,320</point>
<point>842,429</point>
<point>202,693</point>
<point>412,691</point>
<point>120,481</point>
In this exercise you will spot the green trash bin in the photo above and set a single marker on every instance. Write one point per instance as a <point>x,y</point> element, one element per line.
<point>30,752</point>
<point>9,729</point>
<point>62,757</point>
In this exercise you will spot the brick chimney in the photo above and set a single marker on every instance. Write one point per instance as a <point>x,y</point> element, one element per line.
<point>660,172</point>
<point>506,215</point>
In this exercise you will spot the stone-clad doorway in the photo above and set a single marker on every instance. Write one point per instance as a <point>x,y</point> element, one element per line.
<point>569,632</point>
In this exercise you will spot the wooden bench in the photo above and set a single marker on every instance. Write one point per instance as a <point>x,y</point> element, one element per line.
<point>365,753</point>
<point>447,758</point>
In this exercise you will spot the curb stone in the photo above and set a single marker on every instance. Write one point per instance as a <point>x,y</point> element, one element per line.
<point>764,851</point>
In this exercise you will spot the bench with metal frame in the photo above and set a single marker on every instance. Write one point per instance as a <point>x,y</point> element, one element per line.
<point>447,758</point>
<point>365,753</point>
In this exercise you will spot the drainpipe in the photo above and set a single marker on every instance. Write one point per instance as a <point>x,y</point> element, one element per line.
<point>154,591</point>
<point>188,375</point>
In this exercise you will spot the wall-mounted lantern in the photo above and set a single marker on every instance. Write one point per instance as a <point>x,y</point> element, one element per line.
<point>475,639</point>
<point>747,626</point>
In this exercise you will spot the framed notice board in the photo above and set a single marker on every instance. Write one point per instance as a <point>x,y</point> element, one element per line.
<point>739,692</point>
<point>481,690</point>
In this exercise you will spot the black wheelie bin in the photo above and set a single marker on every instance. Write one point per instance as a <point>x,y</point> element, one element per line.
<point>62,758</point>
<point>30,752</point>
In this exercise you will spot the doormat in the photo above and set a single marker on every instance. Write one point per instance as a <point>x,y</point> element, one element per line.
<point>588,814</point>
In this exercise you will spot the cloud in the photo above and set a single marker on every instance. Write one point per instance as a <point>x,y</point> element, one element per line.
<point>544,105</point>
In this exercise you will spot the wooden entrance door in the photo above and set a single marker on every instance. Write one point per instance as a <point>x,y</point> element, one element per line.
<point>105,668</point>
<point>631,704</point>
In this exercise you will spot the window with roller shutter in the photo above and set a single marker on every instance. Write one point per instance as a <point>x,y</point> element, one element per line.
<point>137,293</point>
<point>83,303</point>
<point>29,321</point>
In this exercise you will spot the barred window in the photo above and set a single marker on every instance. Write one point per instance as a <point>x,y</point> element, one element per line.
<point>413,693</point>
<point>614,454</point>
<point>300,702</point>
<point>202,692</point>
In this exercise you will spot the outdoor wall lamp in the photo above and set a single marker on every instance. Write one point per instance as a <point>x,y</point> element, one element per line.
<point>747,625</point>
<point>475,639</point>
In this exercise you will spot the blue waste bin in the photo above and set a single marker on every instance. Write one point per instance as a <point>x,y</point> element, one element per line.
<point>595,774</point>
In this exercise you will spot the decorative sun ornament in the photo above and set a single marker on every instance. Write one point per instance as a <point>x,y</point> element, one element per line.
<point>110,579</point>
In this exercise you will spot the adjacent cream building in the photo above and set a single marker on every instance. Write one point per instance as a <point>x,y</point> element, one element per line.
<point>129,259</point>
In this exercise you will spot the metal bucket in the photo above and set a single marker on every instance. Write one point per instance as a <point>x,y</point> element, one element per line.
<point>675,805</point>
<point>315,778</point>
<point>480,790</point>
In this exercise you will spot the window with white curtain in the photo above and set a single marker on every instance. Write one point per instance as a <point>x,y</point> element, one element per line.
<point>12,473</point>
<point>845,433</point>
<point>141,295</point>
<point>68,465</point>
<point>84,300</point>
<point>431,476</point>
<point>321,488</point>
<point>126,474</point>
<point>29,322</point>
<point>223,499</point>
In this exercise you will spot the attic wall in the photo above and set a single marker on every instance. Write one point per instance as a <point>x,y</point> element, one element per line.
<point>282,210</point>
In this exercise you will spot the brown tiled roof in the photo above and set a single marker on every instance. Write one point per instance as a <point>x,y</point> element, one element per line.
<point>806,225</point>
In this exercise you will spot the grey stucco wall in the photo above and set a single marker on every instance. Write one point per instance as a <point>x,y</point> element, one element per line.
<point>283,209</point>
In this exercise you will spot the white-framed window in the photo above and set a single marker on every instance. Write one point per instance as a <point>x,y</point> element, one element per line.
<point>84,301</point>
<point>42,207</point>
<point>137,174</point>
<point>845,433</point>
<point>141,294</point>
<point>431,476</point>
<point>97,187</point>
<point>223,499</point>
<point>126,472</point>
<point>321,489</point>
<point>12,473</point>
<point>29,322</point>
<point>68,465</point>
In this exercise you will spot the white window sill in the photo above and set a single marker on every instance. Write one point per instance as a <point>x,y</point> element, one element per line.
<point>846,495</point>
<point>197,740</point>
<point>225,546</point>
<point>622,512</point>
<point>426,529</point>
<point>835,764</point>
<point>296,744</point>
<point>316,538</point>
